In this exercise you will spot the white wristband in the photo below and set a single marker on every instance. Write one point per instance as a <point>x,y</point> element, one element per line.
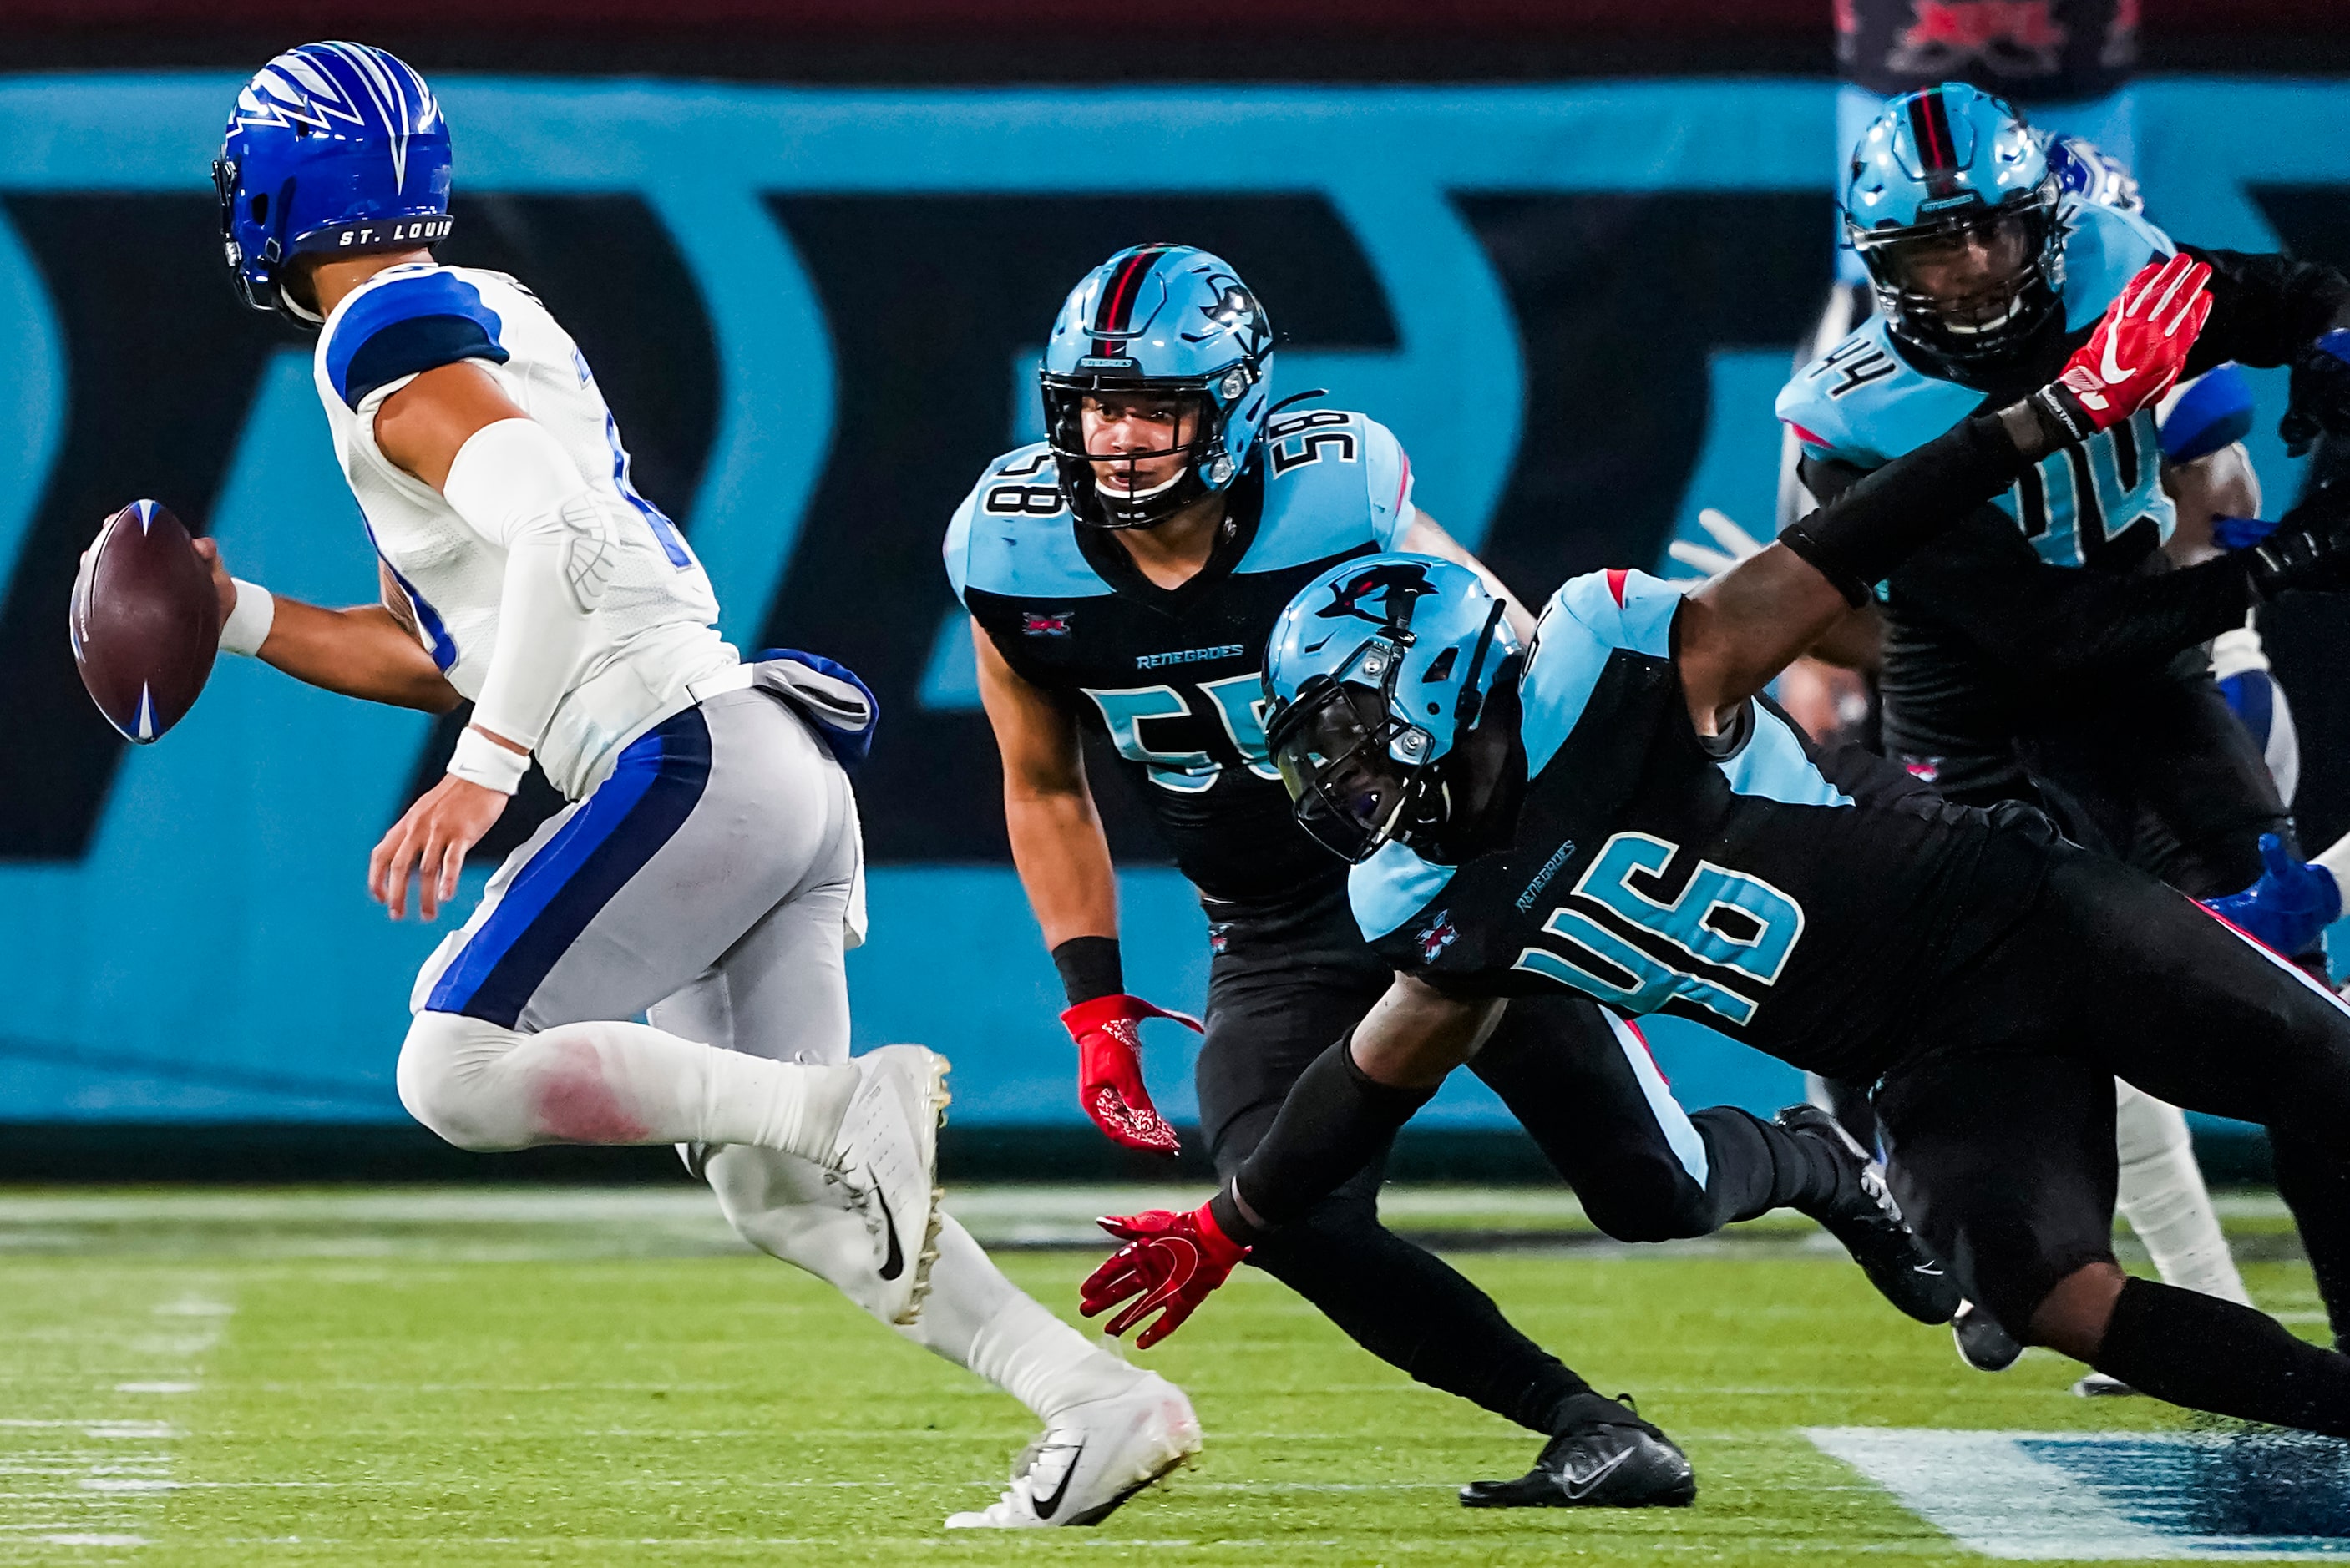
<point>249,619</point>
<point>482,761</point>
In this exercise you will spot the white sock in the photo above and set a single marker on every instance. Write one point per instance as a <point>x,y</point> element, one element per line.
<point>2161,1194</point>
<point>973,1317</point>
<point>482,1086</point>
<point>977,1319</point>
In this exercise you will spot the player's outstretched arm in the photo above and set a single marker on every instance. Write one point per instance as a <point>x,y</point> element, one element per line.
<point>366,652</point>
<point>1735,634</point>
<point>1063,858</point>
<point>1338,1116</point>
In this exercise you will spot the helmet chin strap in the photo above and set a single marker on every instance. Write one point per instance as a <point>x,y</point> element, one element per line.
<point>296,308</point>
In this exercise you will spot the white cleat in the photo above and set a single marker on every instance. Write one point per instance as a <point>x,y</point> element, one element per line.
<point>1094,1458</point>
<point>2102,1385</point>
<point>886,1164</point>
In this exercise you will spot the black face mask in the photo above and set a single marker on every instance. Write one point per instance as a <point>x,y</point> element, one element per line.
<point>1995,320</point>
<point>1332,748</point>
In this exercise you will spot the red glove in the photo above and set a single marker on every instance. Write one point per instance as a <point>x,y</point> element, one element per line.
<point>2136,351</point>
<point>1168,1266</point>
<point>1109,1032</point>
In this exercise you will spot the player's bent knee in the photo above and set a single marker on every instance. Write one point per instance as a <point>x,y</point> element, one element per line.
<point>440,1080</point>
<point>2072,1317</point>
<point>1659,1211</point>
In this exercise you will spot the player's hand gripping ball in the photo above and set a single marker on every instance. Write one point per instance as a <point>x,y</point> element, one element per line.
<point>2136,351</point>
<point>145,620</point>
<point>1169,1264</point>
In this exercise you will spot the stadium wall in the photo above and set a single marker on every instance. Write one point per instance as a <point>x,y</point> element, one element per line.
<point>816,313</point>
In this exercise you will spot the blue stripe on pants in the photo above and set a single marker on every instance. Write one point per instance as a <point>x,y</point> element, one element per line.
<point>654,788</point>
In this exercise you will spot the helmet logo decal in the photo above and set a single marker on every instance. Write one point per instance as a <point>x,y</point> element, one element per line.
<point>1398,584</point>
<point>293,90</point>
<point>1234,313</point>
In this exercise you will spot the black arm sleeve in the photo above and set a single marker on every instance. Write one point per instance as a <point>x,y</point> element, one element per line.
<point>1335,1121</point>
<point>2264,307</point>
<point>1982,578</point>
<point>1874,522</point>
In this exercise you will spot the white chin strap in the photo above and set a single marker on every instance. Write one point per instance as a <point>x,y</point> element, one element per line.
<point>296,308</point>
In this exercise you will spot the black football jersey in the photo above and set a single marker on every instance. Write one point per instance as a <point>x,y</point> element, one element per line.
<point>1173,678</point>
<point>1803,904</point>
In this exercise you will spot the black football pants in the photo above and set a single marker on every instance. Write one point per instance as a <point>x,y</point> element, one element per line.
<point>2163,778</point>
<point>1284,985</point>
<point>1999,1114</point>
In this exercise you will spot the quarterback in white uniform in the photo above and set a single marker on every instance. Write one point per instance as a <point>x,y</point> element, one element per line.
<point>708,875</point>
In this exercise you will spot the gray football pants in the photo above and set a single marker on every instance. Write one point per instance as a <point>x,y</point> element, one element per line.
<point>712,885</point>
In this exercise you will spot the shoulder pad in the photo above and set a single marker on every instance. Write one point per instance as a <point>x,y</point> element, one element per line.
<point>2105,247</point>
<point>1334,480</point>
<point>1581,628</point>
<point>1010,536</point>
<point>1390,888</point>
<point>2206,413</point>
<point>406,323</point>
<point>1863,404</point>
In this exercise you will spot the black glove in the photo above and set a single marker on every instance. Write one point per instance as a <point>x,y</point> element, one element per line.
<point>2320,401</point>
<point>2309,550</point>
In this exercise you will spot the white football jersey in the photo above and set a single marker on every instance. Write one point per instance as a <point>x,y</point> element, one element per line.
<point>654,635</point>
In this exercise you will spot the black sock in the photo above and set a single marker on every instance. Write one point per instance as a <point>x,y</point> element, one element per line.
<point>2210,1355</point>
<point>1413,1311</point>
<point>1753,1166</point>
<point>1336,1120</point>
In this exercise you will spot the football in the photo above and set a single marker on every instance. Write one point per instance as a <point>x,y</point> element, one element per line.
<point>145,621</point>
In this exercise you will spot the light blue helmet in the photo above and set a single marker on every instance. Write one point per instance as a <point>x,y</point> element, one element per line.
<point>1161,319</point>
<point>1378,673</point>
<point>1939,167</point>
<point>332,147</point>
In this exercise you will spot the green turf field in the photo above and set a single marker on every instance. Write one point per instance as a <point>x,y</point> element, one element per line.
<point>488,1376</point>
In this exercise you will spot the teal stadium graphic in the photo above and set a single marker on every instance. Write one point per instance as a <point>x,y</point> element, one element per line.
<point>845,294</point>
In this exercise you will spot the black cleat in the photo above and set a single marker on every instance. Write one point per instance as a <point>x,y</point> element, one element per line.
<point>1608,1457</point>
<point>1982,1344</point>
<point>1864,1217</point>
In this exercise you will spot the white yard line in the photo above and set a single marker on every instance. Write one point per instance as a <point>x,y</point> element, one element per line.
<point>98,1480</point>
<point>2020,1496</point>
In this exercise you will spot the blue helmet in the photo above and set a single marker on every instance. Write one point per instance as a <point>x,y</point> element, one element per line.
<point>1378,674</point>
<point>331,148</point>
<point>1939,167</point>
<point>1166,320</point>
<point>2084,170</point>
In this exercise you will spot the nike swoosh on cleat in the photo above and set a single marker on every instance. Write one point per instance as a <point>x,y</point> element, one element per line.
<point>894,1263</point>
<point>1046,1507</point>
<point>1581,1487</point>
